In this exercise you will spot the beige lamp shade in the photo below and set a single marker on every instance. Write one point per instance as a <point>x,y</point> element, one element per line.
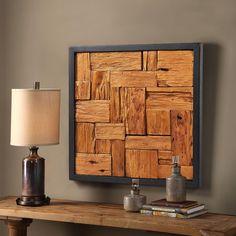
<point>35,117</point>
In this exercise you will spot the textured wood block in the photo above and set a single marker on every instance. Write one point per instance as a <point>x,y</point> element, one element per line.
<point>93,164</point>
<point>169,101</point>
<point>182,138</point>
<point>103,146</point>
<point>92,111</point>
<point>85,137</point>
<point>165,171</point>
<point>118,157</point>
<point>175,68</point>
<point>141,163</point>
<point>116,61</point>
<point>101,85</point>
<point>110,131</point>
<point>158,122</point>
<point>133,79</point>
<point>117,104</point>
<point>135,111</point>
<point>82,66</point>
<point>82,89</point>
<point>164,157</point>
<point>188,90</point>
<point>150,60</point>
<point>148,142</point>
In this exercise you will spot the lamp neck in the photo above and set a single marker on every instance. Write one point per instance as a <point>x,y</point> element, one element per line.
<point>33,151</point>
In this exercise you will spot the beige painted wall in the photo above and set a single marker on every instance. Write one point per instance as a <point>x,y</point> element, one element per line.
<point>37,35</point>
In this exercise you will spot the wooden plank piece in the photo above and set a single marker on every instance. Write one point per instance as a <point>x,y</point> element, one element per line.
<point>93,111</point>
<point>148,142</point>
<point>133,79</point>
<point>169,101</point>
<point>116,61</point>
<point>82,90</point>
<point>158,122</point>
<point>164,157</point>
<point>110,131</point>
<point>101,85</point>
<point>175,68</point>
<point>118,157</point>
<point>135,111</point>
<point>103,146</point>
<point>182,139</point>
<point>117,105</point>
<point>82,66</point>
<point>141,163</point>
<point>149,60</point>
<point>93,164</point>
<point>84,137</point>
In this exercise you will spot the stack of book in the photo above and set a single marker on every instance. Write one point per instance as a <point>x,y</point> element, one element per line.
<point>184,210</point>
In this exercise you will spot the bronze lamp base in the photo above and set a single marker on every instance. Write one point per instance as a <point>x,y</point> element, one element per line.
<point>33,201</point>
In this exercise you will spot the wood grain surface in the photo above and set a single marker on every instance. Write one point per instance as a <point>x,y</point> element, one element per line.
<point>113,215</point>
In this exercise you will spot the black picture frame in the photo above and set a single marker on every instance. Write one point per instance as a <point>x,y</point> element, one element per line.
<point>197,106</point>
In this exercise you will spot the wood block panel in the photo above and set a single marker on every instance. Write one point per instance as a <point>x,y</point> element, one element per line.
<point>164,171</point>
<point>182,140</point>
<point>85,137</point>
<point>135,111</point>
<point>141,163</point>
<point>117,105</point>
<point>93,164</point>
<point>175,68</point>
<point>82,66</point>
<point>158,122</point>
<point>169,101</point>
<point>101,85</point>
<point>150,60</point>
<point>148,142</point>
<point>93,111</point>
<point>110,131</point>
<point>103,146</point>
<point>165,157</point>
<point>133,79</point>
<point>82,89</point>
<point>118,157</point>
<point>106,61</point>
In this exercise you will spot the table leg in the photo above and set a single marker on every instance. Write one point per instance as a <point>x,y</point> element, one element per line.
<point>17,227</point>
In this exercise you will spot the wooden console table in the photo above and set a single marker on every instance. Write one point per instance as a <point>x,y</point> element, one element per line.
<point>18,218</point>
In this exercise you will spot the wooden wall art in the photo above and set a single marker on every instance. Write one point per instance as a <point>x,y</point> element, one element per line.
<point>131,109</point>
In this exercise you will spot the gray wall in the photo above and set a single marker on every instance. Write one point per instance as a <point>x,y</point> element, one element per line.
<point>37,35</point>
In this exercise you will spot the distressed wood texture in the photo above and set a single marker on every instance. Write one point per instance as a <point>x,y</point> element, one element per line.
<point>103,146</point>
<point>101,85</point>
<point>106,61</point>
<point>117,105</point>
<point>133,79</point>
<point>150,60</point>
<point>85,138</point>
<point>93,111</point>
<point>158,122</point>
<point>118,157</point>
<point>113,215</point>
<point>83,66</point>
<point>141,163</point>
<point>169,101</point>
<point>182,136</point>
<point>93,164</point>
<point>135,111</point>
<point>110,131</point>
<point>175,68</point>
<point>82,90</point>
<point>148,142</point>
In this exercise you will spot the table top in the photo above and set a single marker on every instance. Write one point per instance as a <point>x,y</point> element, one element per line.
<point>113,215</point>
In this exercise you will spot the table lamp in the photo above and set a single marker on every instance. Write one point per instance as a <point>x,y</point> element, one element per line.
<point>35,121</point>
